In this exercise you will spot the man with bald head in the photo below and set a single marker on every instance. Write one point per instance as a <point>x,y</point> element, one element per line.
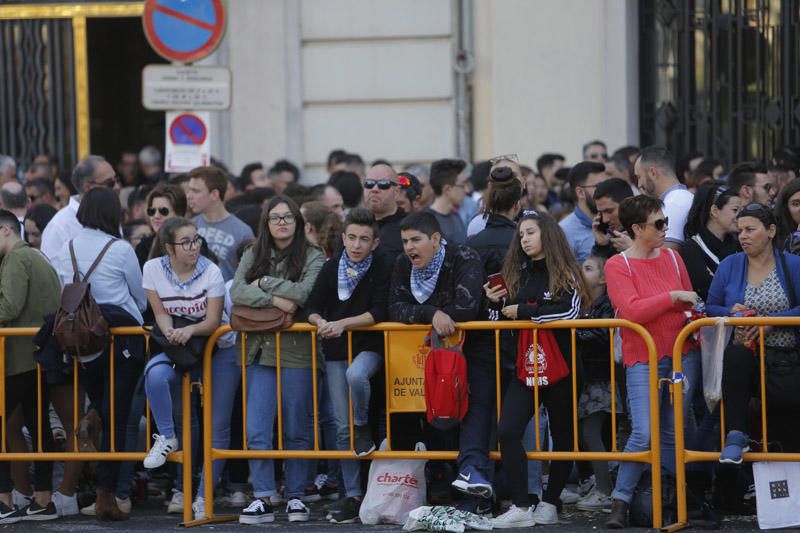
<point>16,201</point>
<point>380,195</point>
<point>91,172</point>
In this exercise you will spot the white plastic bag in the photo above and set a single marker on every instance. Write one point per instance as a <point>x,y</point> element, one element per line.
<point>395,487</point>
<point>713,341</point>
<point>777,494</point>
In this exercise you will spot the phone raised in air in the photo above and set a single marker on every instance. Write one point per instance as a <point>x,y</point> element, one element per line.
<point>496,280</point>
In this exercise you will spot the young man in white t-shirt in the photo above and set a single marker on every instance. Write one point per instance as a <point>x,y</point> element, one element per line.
<point>655,174</point>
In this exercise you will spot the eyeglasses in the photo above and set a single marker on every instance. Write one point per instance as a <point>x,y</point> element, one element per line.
<point>163,211</point>
<point>383,185</point>
<point>108,183</point>
<point>277,219</point>
<point>187,245</point>
<point>507,157</point>
<point>659,224</point>
<point>598,155</point>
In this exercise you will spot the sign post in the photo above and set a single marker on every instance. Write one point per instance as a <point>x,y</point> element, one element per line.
<point>188,143</point>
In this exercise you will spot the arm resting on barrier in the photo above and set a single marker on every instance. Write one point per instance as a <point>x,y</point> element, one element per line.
<point>297,291</point>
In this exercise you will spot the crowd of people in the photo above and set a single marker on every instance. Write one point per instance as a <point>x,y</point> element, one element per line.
<point>635,235</point>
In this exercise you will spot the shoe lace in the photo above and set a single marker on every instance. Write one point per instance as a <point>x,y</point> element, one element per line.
<point>255,505</point>
<point>296,504</point>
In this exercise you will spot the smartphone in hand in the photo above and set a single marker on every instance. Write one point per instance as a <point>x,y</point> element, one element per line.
<point>497,281</point>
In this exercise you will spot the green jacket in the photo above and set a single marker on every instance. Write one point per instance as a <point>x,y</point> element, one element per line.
<point>295,346</point>
<point>29,290</point>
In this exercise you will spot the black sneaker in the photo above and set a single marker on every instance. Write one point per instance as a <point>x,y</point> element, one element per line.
<point>36,512</point>
<point>258,512</point>
<point>362,441</point>
<point>329,492</point>
<point>311,495</point>
<point>297,511</point>
<point>9,515</point>
<point>344,512</point>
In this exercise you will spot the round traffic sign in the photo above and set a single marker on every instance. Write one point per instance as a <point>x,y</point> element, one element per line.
<point>187,129</point>
<point>184,30</point>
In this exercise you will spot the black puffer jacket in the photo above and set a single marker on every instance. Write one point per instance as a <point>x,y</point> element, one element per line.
<point>594,344</point>
<point>458,293</point>
<point>493,241</point>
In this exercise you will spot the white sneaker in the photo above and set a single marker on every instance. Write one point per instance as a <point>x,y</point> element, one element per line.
<point>176,503</point>
<point>514,517</point>
<point>236,498</point>
<point>199,508</point>
<point>124,506</point>
<point>297,511</point>
<point>594,501</point>
<point>20,500</point>
<point>569,497</point>
<point>162,447</point>
<point>585,486</point>
<point>546,514</point>
<point>65,505</point>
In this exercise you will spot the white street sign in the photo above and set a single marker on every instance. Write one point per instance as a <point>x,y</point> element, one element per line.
<point>166,87</point>
<point>188,141</point>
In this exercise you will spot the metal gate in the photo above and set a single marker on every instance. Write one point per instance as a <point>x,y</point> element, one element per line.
<point>37,98</point>
<point>720,76</point>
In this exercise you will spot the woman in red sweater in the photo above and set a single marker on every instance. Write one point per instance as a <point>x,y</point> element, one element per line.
<point>648,284</point>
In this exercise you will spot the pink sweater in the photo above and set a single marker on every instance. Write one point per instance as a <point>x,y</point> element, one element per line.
<point>641,295</point>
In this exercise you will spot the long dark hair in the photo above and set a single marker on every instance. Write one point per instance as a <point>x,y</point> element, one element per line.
<point>710,193</point>
<point>177,199</point>
<point>294,254</point>
<point>562,267</point>
<point>786,224</point>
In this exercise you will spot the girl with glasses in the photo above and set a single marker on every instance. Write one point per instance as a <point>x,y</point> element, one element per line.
<point>186,291</point>
<point>647,284</point>
<point>278,270</point>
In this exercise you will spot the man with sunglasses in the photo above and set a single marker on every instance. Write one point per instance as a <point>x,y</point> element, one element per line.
<point>596,151</point>
<point>583,179</point>
<point>752,183</point>
<point>655,175</point>
<point>91,172</point>
<point>380,195</point>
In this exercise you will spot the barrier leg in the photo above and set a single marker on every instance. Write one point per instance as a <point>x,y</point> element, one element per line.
<point>655,440</point>
<point>680,456</point>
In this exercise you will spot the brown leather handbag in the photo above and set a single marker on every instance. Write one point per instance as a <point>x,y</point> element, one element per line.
<point>260,319</point>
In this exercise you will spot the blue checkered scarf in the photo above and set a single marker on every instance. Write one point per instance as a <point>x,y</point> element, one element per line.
<point>199,270</point>
<point>351,274</point>
<point>423,280</point>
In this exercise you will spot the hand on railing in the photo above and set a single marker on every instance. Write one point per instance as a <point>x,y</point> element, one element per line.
<point>443,324</point>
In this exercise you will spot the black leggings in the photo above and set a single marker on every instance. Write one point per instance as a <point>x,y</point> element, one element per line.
<point>517,410</point>
<point>741,380</point>
<point>21,391</point>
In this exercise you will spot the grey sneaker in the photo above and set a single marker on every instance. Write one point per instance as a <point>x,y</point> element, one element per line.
<point>344,511</point>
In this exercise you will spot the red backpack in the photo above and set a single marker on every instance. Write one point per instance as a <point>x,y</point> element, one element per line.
<point>446,389</point>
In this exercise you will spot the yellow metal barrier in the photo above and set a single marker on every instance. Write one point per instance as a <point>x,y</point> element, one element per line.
<point>210,454</point>
<point>684,456</point>
<point>181,456</point>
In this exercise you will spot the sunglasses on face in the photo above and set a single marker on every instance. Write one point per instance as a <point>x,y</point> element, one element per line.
<point>507,157</point>
<point>659,224</point>
<point>110,183</point>
<point>599,155</point>
<point>383,185</point>
<point>163,211</point>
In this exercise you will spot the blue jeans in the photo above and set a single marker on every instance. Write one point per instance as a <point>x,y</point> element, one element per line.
<point>354,379</point>
<point>638,383</point>
<point>227,374</point>
<point>529,443</point>
<point>475,430</point>
<point>328,431</point>
<point>162,385</point>
<point>298,425</point>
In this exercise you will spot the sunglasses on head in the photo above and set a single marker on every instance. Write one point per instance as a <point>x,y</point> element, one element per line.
<point>753,208</point>
<point>507,157</point>
<point>719,192</point>
<point>151,211</point>
<point>383,185</point>
<point>403,181</point>
<point>659,224</point>
<point>530,213</point>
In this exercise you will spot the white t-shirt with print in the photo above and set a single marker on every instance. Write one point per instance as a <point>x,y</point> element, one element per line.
<point>190,301</point>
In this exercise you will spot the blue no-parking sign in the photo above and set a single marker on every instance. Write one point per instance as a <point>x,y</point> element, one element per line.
<point>184,30</point>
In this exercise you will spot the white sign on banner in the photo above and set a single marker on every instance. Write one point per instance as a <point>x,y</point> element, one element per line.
<point>166,87</point>
<point>188,141</point>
